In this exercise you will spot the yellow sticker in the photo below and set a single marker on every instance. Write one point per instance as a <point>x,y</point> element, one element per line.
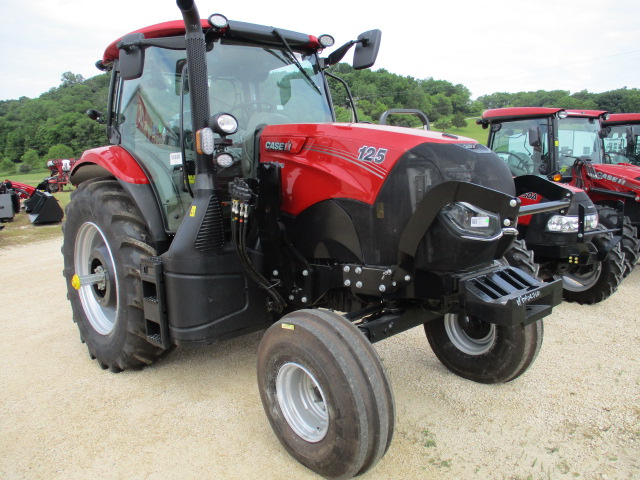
<point>192,213</point>
<point>288,326</point>
<point>192,179</point>
<point>557,143</point>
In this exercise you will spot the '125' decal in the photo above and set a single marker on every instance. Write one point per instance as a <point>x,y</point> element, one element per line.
<point>372,154</point>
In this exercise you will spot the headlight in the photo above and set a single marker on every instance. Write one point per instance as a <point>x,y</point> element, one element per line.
<point>223,124</point>
<point>569,223</point>
<point>472,221</point>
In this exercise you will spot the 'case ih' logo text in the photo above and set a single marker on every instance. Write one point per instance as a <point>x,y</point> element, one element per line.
<point>611,178</point>
<point>279,146</point>
<point>524,299</point>
<point>606,176</point>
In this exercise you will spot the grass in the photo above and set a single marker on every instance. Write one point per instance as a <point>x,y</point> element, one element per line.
<point>33,178</point>
<point>471,130</point>
<point>20,230</point>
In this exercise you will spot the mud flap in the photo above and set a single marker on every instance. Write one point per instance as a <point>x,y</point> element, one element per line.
<point>43,207</point>
<point>509,296</point>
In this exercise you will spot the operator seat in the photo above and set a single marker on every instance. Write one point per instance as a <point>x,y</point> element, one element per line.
<point>256,122</point>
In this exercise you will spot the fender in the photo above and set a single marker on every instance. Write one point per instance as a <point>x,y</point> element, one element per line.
<point>115,161</point>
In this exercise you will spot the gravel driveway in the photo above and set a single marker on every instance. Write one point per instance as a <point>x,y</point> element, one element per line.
<point>197,414</point>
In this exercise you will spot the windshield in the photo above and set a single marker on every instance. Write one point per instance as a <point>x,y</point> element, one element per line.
<point>617,145</point>
<point>513,143</point>
<point>259,86</point>
<point>578,137</point>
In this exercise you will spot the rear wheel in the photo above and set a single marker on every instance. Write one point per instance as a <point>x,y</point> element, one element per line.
<point>597,282</point>
<point>484,352</point>
<point>105,236</point>
<point>630,244</point>
<point>326,393</point>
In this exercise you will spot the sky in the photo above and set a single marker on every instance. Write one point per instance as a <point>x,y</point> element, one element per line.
<point>487,46</point>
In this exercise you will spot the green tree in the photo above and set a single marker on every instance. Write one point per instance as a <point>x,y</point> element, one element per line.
<point>59,151</point>
<point>459,121</point>
<point>7,166</point>
<point>31,158</point>
<point>442,124</point>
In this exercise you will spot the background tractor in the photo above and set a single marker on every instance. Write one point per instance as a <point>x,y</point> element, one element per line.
<point>621,143</point>
<point>229,201</point>
<point>59,169</point>
<point>580,242</point>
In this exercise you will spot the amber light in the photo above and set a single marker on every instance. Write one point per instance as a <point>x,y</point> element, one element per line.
<point>557,177</point>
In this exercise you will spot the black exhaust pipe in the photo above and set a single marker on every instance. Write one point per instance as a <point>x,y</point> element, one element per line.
<point>198,85</point>
<point>208,294</point>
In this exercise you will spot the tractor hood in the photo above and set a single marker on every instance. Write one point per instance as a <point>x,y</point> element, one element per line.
<point>356,161</point>
<point>388,186</point>
<point>610,176</point>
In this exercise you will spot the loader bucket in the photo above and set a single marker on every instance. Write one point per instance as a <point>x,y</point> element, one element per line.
<point>43,207</point>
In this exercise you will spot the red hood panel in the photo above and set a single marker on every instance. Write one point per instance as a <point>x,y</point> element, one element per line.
<point>337,160</point>
<point>620,175</point>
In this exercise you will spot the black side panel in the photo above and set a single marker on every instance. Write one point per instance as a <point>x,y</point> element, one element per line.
<point>325,231</point>
<point>212,299</point>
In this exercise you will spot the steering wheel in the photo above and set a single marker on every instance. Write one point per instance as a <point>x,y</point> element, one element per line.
<point>250,108</point>
<point>518,161</point>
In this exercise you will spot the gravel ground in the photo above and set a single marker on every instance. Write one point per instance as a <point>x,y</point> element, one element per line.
<point>197,413</point>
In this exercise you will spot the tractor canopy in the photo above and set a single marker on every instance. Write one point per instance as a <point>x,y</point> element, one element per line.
<point>622,141</point>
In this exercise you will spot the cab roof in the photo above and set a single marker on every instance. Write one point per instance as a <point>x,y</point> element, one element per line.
<point>512,113</point>
<point>235,30</point>
<point>588,113</point>
<point>622,119</point>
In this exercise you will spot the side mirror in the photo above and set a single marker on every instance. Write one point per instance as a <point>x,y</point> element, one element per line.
<point>534,136</point>
<point>631,138</point>
<point>131,60</point>
<point>96,116</point>
<point>604,132</point>
<point>367,49</point>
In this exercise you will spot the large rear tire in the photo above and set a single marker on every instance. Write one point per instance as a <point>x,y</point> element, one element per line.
<point>105,233</point>
<point>325,393</point>
<point>630,244</point>
<point>589,285</point>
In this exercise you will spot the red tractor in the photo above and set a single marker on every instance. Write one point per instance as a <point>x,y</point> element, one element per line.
<point>229,201</point>
<point>60,169</point>
<point>622,141</point>
<point>538,143</point>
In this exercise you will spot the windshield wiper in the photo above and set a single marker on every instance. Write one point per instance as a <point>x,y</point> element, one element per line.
<point>294,60</point>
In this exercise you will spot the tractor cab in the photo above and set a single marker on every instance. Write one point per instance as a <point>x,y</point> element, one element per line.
<point>622,141</point>
<point>256,76</point>
<point>544,141</point>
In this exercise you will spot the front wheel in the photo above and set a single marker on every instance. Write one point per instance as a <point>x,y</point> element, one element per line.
<point>482,351</point>
<point>105,237</point>
<point>326,393</point>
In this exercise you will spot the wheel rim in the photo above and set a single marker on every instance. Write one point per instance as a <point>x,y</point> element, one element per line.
<point>470,335</point>
<point>302,402</point>
<point>580,282</point>
<point>92,254</point>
